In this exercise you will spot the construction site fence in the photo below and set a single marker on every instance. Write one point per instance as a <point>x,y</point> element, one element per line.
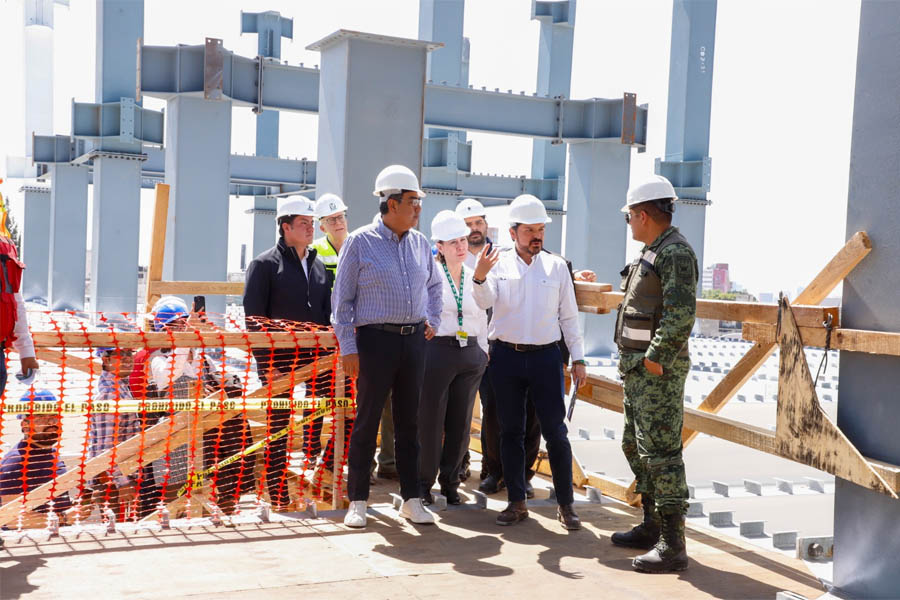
<point>209,416</point>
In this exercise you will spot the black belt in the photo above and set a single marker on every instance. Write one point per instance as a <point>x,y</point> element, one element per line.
<point>450,340</point>
<point>525,347</point>
<point>408,329</point>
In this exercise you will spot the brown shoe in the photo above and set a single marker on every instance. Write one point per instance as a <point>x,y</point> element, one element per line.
<point>568,518</point>
<point>513,513</point>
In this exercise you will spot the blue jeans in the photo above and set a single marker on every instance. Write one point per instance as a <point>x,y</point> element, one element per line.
<point>536,376</point>
<point>2,368</point>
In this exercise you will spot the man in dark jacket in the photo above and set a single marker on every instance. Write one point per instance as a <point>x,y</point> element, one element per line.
<point>286,285</point>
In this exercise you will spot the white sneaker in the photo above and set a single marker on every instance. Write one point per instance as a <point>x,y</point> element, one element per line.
<point>413,510</point>
<point>356,514</point>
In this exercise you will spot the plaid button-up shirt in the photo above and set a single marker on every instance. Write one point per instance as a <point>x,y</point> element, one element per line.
<point>384,279</point>
<point>109,429</point>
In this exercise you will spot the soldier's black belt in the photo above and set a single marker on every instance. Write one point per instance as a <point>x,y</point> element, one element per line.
<point>409,329</point>
<point>450,340</point>
<point>525,347</point>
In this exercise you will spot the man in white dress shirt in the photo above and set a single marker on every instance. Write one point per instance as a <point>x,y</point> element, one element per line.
<point>533,299</point>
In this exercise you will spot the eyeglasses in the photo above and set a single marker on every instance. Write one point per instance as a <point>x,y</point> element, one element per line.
<point>335,219</point>
<point>628,218</point>
<point>415,202</point>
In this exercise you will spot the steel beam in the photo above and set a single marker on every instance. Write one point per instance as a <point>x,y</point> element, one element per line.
<point>270,27</point>
<point>687,163</point>
<point>595,230</point>
<point>362,132</point>
<point>866,523</point>
<point>168,71</point>
<point>68,237</point>
<point>198,142</point>
<point>36,242</point>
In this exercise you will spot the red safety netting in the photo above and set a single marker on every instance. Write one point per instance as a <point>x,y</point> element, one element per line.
<point>129,420</point>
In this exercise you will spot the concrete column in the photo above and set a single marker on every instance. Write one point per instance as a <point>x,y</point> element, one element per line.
<point>867,524</point>
<point>377,124</point>
<point>595,228</point>
<point>264,231</point>
<point>116,219</point>
<point>198,148</point>
<point>36,242</point>
<point>68,237</point>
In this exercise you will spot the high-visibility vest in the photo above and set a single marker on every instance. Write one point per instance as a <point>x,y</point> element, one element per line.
<point>327,254</point>
<point>10,280</point>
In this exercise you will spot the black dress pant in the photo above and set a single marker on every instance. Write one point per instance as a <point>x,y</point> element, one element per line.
<point>388,362</point>
<point>452,375</point>
<point>490,432</point>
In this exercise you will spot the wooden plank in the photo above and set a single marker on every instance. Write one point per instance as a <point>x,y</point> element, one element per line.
<point>339,434</point>
<point>804,432</point>
<point>157,242</point>
<point>807,316</point>
<point>613,488</point>
<point>853,340</point>
<point>186,339</point>
<point>209,288</point>
<point>856,249</point>
<point>597,295</point>
<point>78,363</point>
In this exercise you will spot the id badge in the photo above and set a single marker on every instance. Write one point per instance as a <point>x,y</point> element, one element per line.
<point>463,338</point>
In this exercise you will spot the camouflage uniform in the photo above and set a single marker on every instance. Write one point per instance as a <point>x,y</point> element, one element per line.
<point>654,409</point>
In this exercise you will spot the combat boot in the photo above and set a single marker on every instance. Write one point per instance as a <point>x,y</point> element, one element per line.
<point>645,535</point>
<point>669,554</point>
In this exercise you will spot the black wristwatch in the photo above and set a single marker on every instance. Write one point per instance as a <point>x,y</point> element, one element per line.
<point>477,281</point>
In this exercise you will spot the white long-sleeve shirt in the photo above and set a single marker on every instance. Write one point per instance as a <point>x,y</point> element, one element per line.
<point>474,318</point>
<point>531,302</point>
<point>167,367</point>
<point>24,345</point>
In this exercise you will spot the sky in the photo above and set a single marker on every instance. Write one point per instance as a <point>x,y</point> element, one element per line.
<point>782,104</point>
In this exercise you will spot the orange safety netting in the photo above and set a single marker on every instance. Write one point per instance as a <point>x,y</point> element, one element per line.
<point>203,417</point>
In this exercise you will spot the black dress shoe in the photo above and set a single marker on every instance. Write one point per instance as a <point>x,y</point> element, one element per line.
<point>452,496</point>
<point>491,485</point>
<point>513,513</point>
<point>529,490</point>
<point>568,518</point>
<point>387,474</point>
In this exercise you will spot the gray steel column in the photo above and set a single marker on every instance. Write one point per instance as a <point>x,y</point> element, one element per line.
<point>117,166</point>
<point>198,147</point>
<point>554,79</point>
<point>598,182</point>
<point>68,237</point>
<point>378,124</point>
<point>35,242</point>
<point>116,223</point>
<point>867,524</point>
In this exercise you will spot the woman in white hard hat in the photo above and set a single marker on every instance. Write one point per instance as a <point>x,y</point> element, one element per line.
<point>455,360</point>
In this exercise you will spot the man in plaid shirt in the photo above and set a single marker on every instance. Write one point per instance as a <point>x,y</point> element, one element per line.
<point>109,429</point>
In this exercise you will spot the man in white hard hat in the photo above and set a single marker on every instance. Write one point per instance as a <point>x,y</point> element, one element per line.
<point>286,283</point>
<point>387,302</point>
<point>652,330</point>
<point>533,299</point>
<point>332,215</point>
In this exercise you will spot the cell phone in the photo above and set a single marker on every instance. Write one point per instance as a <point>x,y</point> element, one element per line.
<point>490,246</point>
<point>199,304</point>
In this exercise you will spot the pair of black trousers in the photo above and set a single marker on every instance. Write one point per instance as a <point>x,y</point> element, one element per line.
<point>452,375</point>
<point>490,432</point>
<point>388,362</point>
<point>536,376</point>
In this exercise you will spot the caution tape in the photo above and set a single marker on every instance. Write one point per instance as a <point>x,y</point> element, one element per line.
<point>171,405</point>
<point>196,478</point>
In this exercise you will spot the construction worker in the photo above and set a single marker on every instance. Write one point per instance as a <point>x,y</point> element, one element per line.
<point>332,215</point>
<point>455,359</point>
<point>287,282</point>
<point>652,329</point>
<point>533,299</point>
<point>13,318</point>
<point>387,302</point>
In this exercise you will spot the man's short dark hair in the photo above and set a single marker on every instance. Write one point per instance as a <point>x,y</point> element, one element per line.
<point>282,220</point>
<point>398,198</point>
<point>658,210</point>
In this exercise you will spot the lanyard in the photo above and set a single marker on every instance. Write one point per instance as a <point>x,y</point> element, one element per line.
<point>458,298</point>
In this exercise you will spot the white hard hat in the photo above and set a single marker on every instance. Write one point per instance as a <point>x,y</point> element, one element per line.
<point>656,187</point>
<point>447,225</point>
<point>528,210</point>
<point>394,179</point>
<point>329,204</point>
<point>470,208</point>
<point>301,206</point>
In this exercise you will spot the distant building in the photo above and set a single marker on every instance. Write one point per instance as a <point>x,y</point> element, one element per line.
<point>767,297</point>
<point>715,277</point>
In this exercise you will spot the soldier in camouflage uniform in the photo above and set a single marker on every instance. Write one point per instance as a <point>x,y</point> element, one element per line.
<point>652,329</point>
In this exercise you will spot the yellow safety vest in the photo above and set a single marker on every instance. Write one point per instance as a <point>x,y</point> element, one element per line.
<point>327,254</point>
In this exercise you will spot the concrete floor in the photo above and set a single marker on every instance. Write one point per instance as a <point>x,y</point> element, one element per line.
<point>465,554</point>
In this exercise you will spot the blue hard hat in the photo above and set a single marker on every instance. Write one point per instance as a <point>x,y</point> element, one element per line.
<point>37,396</point>
<point>167,310</point>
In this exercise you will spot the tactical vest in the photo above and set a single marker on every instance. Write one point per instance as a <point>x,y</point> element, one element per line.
<point>641,310</point>
<point>327,254</point>
<point>10,279</point>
